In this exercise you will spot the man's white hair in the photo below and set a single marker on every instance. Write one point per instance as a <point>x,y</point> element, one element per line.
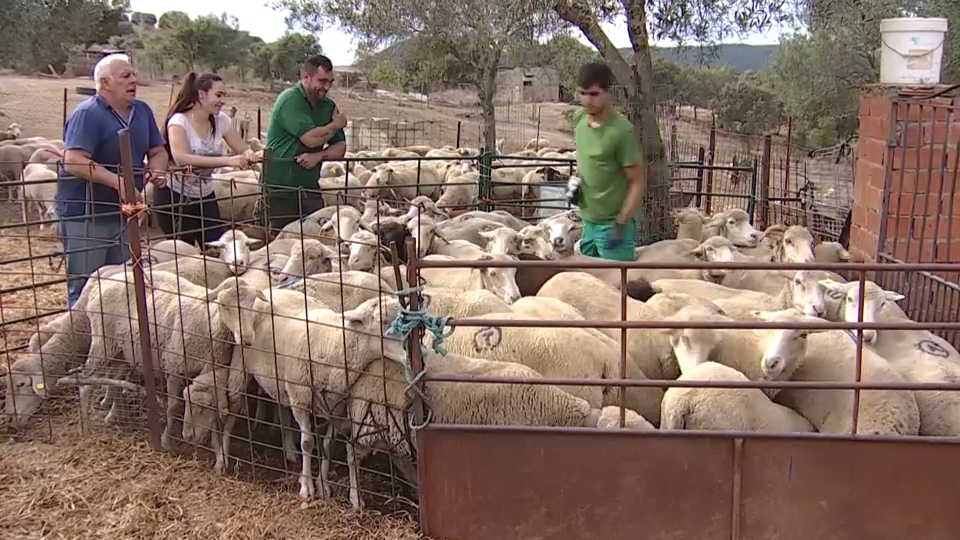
<point>102,69</point>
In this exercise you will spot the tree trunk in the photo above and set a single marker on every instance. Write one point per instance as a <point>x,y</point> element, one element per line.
<point>637,81</point>
<point>487,90</point>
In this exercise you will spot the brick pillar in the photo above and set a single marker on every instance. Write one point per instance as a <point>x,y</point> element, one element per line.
<point>919,207</point>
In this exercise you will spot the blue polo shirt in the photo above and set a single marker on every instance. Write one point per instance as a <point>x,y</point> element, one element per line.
<point>94,126</point>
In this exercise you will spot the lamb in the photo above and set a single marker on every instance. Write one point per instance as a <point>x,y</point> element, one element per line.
<point>918,355</point>
<point>498,216</point>
<point>404,182</point>
<point>780,243</point>
<point>689,223</point>
<point>733,225</point>
<point>501,281</point>
<point>307,257</point>
<point>733,409</point>
<point>340,291</point>
<point>379,393</point>
<point>559,353</point>
<point>597,301</point>
<point>803,292</point>
<point>445,302</point>
<point>831,357</point>
<point>58,346</point>
<point>12,132</point>
<point>40,189</point>
<point>234,246</point>
<point>564,230</point>
<point>237,195</point>
<point>510,242</point>
<point>831,252</point>
<point>310,374</point>
<point>184,328</point>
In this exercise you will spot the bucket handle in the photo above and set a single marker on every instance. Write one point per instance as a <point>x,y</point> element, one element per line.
<point>914,55</point>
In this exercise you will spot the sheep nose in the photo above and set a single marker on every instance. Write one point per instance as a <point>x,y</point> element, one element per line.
<point>558,242</point>
<point>869,335</point>
<point>772,366</point>
<point>248,343</point>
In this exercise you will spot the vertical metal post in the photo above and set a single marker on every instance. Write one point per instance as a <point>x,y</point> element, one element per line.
<point>711,157</point>
<point>484,188</point>
<point>765,164</point>
<point>140,289</point>
<point>701,158</point>
<point>459,127</point>
<point>259,122</point>
<point>64,123</point>
<point>416,365</point>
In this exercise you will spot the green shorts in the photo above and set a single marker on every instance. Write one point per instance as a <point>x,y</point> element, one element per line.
<point>592,241</point>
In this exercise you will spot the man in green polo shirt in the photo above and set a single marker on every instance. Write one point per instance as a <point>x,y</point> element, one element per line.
<point>306,129</point>
<point>610,166</point>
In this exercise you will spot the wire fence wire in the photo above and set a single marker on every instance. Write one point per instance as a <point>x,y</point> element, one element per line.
<point>326,336</point>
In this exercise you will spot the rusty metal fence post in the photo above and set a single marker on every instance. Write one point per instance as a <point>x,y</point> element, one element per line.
<point>133,230</point>
<point>766,162</point>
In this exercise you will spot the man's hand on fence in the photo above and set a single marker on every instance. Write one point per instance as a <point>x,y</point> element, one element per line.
<point>309,160</point>
<point>157,178</point>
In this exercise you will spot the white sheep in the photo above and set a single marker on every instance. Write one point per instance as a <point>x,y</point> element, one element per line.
<point>559,353</point>
<point>733,409</point>
<point>501,281</point>
<point>734,225</point>
<point>58,346</point>
<point>919,355</point>
<point>40,190</point>
<point>340,291</point>
<point>380,393</point>
<point>307,369</point>
<point>831,356</point>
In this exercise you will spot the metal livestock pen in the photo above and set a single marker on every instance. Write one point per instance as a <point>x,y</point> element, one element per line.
<point>514,481</point>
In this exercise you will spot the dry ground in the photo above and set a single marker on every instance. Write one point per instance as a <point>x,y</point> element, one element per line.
<point>114,486</point>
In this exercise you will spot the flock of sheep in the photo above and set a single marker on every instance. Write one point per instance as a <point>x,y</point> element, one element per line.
<point>307,320</point>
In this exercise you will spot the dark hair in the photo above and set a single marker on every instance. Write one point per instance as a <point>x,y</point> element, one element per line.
<point>310,65</point>
<point>595,74</point>
<point>188,95</point>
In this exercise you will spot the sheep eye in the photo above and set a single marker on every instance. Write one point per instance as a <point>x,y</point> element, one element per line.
<point>849,300</point>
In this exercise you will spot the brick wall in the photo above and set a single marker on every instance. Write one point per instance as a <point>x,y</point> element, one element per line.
<point>914,143</point>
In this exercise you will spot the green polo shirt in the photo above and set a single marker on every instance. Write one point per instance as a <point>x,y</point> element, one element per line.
<point>293,115</point>
<point>602,154</point>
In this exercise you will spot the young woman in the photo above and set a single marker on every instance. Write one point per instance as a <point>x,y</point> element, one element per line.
<point>194,131</point>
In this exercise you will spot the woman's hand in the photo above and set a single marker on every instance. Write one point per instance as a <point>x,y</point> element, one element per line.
<point>239,161</point>
<point>251,155</point>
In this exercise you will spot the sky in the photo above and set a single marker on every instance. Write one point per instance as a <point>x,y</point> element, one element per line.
<point>268,24</point>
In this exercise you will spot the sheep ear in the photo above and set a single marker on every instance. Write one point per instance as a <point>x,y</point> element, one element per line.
<point>487,234</point>
<point>261,296</point>
<point>834,285</point>
<point>354,318</point>
<point>892,296</point>
<point>39,386</point>
<point>216,244</point>
<point>843,255</point>
<point>698,251</point>
<point>763,315</point>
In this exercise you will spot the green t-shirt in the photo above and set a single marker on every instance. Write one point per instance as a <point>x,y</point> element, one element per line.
<point>292,116</point>
<point>602,153</point>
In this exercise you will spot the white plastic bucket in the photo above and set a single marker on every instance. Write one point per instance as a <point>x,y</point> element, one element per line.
<point>911,50</point>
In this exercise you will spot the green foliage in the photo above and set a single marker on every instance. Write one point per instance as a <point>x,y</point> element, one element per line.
<point>289,52</point>
<point>746,107</point>
<point>41,32</point>
<point>562,52</point>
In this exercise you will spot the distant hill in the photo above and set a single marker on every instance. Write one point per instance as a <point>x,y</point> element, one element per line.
<point>740,57</point>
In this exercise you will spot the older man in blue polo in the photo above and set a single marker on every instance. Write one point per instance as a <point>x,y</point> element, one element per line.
<point>90,184</point>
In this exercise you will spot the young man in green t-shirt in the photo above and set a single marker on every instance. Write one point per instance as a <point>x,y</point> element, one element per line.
<point>306,129</point>
<point>611,179</point>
